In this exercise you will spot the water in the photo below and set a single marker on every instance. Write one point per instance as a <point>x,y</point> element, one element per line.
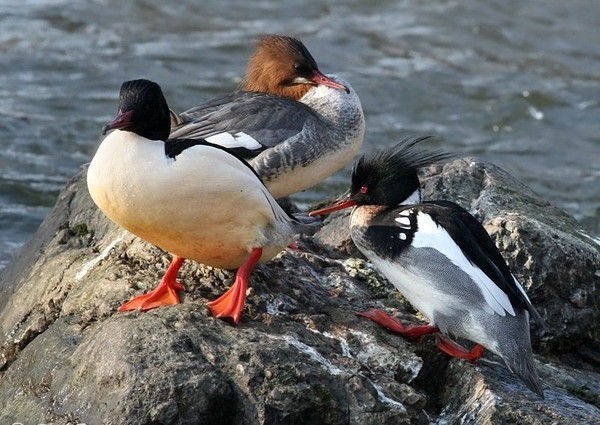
<point>513,82</point>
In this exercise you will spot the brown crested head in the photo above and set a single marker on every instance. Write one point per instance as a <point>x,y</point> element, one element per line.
<point>281,65</point>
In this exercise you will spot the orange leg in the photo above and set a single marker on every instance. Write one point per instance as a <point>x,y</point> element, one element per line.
<point>231,303</point>
<point>453,349</point>
<point>413,332</point>
<point>164,294</point>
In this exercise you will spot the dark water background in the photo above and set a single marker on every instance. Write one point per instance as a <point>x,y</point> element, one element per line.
<point>516,82</point>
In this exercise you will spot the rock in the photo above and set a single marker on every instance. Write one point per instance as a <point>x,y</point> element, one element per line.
<point>300,354</point>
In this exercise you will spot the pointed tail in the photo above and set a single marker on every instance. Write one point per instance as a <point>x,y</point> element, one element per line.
<point>522,365</point>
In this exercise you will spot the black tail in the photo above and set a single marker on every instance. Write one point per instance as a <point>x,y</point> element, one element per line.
<point>523,366</point>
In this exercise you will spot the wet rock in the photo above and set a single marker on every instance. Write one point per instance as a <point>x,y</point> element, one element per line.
<point>300,354</point>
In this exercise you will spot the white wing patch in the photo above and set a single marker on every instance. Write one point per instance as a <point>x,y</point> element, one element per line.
<point>403,221</point>
<point>521,289</point>
<point>430,235</point>
<point>237,140</point>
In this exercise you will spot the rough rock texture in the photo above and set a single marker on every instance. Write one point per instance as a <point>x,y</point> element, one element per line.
<point>300,355</point>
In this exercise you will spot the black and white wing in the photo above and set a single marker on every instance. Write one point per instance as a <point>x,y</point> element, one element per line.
<point>245,122</point>
<point>457,234</point>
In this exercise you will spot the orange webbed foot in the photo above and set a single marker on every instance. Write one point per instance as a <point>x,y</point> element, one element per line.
<point>231,303</point>
<point>164,294</point>
<point>413,332</point>
<point>454,349</point>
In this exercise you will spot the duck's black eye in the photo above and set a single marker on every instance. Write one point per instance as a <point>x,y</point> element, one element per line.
<point>301,68</point>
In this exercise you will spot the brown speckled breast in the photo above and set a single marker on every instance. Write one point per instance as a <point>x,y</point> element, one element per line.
<point>363,215</point>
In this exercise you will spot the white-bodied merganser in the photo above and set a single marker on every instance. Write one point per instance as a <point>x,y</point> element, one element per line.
<point>295,125</point>
<point>191,198</point>
<point>441,259</point>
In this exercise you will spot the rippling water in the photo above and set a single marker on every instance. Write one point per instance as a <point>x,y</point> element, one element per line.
<point>513,82</point>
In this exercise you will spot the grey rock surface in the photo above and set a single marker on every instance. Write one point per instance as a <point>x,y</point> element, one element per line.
<point>300,354</point>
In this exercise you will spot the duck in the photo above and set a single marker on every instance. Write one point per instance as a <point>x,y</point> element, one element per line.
<point>295,125</point>
<point>192,198</point>
<point>440,258</point>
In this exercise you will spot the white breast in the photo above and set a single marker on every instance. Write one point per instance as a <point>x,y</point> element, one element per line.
<point>204,204</point>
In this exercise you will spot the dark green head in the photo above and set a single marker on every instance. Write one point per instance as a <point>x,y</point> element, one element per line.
<point>142,110</point>
<point>390,177</point>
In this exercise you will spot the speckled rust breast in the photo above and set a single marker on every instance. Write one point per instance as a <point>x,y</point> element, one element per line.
<point>363,215</point>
